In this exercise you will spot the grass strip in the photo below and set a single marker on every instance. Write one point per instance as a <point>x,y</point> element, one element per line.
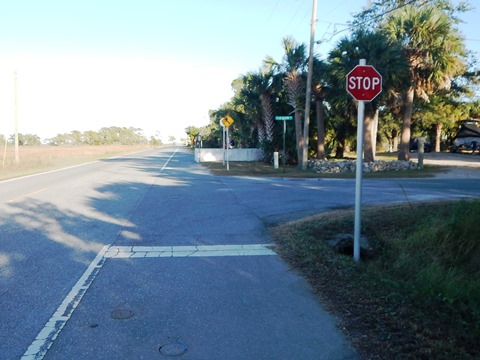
<point>417,293</point>
<point>244,168</point>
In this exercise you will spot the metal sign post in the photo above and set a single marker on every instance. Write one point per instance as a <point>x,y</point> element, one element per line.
<point>228,145</point>
<point>284,118</point>
<point>226,122</point>
<point>358,181</point>
<point>284,151</point>
<point>223,141</point>
<point>364,83</point>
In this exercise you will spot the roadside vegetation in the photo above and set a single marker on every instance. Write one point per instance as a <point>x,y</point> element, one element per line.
<point>430,83</point>
<point>34,159</point>
<point>415,295</point>
<point>113,135</point>
<point>239,168</point>
<point>416,292</point>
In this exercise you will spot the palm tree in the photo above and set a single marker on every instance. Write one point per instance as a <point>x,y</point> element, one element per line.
<point>263,82</point>
<point>319,91</point>
<point>294,86</point>
<point>342,108</point>
<point>293,70</point>
<point>247,97</point>
<point>385,57</point>
<point>434,51</point>
<point>255,92</point>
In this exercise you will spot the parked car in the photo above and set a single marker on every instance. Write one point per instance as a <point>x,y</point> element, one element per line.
<point>427,145</point>
<point>468,136</point>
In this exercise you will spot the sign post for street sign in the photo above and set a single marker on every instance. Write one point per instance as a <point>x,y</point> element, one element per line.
<point>364,83</point>
<point>284,118</point>
<point>225,123</point>
<point>223,140</point>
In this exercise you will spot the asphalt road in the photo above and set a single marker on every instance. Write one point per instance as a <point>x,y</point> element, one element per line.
<point>148,256</point>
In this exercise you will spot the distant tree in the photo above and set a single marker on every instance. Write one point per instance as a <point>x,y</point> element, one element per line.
<point>191,132</point>
<point>61,139</point>
<point>91,138</point>
<point>115,135</point>
<point>106,136</point>
<point>154,141</point>
<point>76,137</point>
<point>474,109</point>
<point>26,140</point>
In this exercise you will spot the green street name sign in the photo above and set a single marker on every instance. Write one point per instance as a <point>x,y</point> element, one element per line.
<point>289,117</point>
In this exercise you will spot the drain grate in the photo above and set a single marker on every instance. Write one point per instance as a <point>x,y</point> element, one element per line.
<point>174,348</point>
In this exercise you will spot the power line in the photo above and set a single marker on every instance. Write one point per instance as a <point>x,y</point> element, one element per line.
<point>273,11</point>
<point>349,27</point>
<point>295,14</point>
<point>391,10</point>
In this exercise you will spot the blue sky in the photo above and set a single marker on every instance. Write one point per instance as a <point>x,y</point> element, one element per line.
<point>153,64</point>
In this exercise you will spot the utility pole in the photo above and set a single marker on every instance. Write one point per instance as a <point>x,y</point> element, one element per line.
<point>308,96</point>
<point>17,156</point>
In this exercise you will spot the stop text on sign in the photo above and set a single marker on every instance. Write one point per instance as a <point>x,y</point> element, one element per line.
<point>364,82</point>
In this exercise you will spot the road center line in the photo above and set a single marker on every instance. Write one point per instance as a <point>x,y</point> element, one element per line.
<point>45,338</point>
<point>170,158</point>
<point>26,195</point>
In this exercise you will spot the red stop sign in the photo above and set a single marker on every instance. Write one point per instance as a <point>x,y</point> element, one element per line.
<point>364,82</point>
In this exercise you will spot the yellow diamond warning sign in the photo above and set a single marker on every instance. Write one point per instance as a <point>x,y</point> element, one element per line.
<point>227,121</point>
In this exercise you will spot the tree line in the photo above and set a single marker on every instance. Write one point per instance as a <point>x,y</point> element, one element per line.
<point>113,135</point>
<point>429,84</point>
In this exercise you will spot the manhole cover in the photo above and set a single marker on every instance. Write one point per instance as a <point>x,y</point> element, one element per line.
<point>121,314</point>
<point>174,348</point>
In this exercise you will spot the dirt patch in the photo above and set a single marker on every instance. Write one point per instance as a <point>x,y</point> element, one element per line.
<point>457,166</point>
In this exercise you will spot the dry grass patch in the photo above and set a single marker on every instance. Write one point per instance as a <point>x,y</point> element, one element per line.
<point>34,159</point>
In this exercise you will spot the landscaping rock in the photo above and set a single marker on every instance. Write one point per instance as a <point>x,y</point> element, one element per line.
<point>343,244</point>
<point>349,166</point>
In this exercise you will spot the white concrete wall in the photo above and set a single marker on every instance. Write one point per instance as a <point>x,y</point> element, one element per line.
<point>213,155</point>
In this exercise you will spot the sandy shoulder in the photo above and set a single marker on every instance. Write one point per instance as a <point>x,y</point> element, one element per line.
<point>459,166</point>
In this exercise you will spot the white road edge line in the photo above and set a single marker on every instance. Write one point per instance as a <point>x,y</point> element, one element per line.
<point>52,328</point>
<point>45,338</point>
